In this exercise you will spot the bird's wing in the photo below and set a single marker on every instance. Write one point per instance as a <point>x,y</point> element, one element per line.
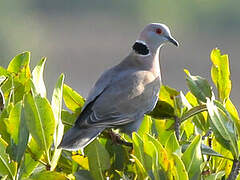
<point>121,101</point>
<point>99,87</point>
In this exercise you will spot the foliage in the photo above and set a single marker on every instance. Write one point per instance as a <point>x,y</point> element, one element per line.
<point>204,146</point>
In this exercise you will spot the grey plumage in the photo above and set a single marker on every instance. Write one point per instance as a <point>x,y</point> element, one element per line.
<point>123,94</point>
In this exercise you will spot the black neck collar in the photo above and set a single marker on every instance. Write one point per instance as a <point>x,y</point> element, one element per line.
<point>140,48</point>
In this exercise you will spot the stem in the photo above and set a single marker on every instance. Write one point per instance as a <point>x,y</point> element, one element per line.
<point>177,127</point>
<point>235,170</point>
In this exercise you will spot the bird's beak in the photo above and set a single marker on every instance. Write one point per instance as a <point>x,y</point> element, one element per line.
<point>172,40</point>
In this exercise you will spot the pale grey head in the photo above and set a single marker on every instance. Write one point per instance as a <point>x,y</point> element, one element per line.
<point>154,35</point>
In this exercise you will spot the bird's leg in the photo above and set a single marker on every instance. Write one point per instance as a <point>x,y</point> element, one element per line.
<point>116,138</point>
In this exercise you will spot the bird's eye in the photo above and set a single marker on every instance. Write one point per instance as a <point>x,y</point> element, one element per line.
<point>159,31</point>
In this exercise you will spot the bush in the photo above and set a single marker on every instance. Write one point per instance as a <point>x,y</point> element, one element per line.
<point>189,136</point>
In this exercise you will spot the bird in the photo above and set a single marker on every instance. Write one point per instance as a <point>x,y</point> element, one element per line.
<point>124,93</point>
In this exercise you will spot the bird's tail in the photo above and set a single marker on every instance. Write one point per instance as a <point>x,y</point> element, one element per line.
<point>77,137</point>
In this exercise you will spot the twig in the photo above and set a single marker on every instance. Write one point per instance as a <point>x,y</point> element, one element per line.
<point>235,170</point>
<point>177,127</point>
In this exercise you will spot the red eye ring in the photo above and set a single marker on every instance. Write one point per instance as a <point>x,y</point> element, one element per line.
<point>159,31</point>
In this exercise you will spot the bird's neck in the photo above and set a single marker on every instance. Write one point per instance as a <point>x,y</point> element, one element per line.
<point>147,58</point>
<point>143,48</point>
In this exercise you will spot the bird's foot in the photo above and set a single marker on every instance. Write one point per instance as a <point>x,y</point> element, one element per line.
<point>116,139</point>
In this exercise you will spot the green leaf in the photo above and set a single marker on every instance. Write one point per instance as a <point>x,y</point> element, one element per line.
<point>13,122</point>
<point>141,171</point>
<point>49,176</point>
<point>146,126</point>
<point>221,74</point>
<point>7,167</point>
<point>234,114</point>
<point>151,152</point>
<point>209,151</point>
<point>20,63</point>
<point>162,130</point>
<point>57,109</point>
<point>83,175</point>
<point>162,110</point>
<point>3,118</point>
<point>172,144</point>
<point>193,111</point>
<point>167,94</point>
<point>215,176</point>
<point>198,86</point>
<point>3,72</point>
<point>98,158</point>
<point>72,99</point>
<point>68,119</point>
<point>2,100</point>
<point>163,157</point>
<point>2,79</point>
<point>192,158</point>
<point>180,172</point>
<point>16,127</point>
<point>222,126</point>
<point>37,77</point>
<point>40,120</point>
<point>138,147</point>
<point>118,155</point>
<point>31,159</point>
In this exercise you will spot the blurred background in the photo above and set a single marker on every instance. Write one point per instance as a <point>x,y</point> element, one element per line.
<point>82,38</point>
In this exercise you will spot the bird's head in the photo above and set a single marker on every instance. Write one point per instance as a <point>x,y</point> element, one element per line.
<point>155,35</point>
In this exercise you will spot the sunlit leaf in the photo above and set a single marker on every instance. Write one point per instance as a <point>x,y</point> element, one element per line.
<point>40,120</point>
<point>142,173</point>
<point>167,94</point>
<point>152,152</point>
<point>233,112</point>
<point>146,126</point>
<point>192,158</point>
<point>163,158</point>
<point>20,63</point>
<point>221,73</point>
<point>3,72</point>
<point>37,77</point>
<point>7,167</point>
<point>4,115</point>
<point>198,86</point>
<point>222,127</point>
<point>72,99</point>
<point>215,176</point>
<point>81,160</point>
<point>49,176</point>
<point>179,172</point>
<point>172,144</point>
<point>162,130</point>
<point>57,109</point>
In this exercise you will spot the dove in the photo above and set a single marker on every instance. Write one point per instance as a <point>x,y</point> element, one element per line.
<point>123,93</point>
